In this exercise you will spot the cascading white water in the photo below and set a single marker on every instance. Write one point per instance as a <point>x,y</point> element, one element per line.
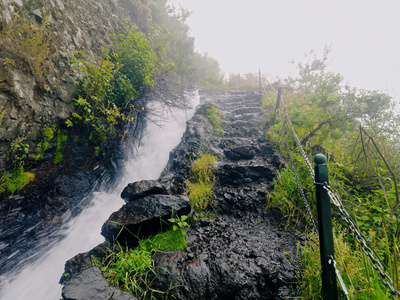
<point>38,280</point>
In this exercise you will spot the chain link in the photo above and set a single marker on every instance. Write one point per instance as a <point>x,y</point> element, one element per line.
<point>376,264</point>
<point>300,186</point>
<point>342,284</point>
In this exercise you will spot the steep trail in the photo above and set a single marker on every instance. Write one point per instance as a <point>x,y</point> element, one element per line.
<point>246,252</point>
<point>240,251</point>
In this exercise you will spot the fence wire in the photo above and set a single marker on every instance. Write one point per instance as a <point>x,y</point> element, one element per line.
<point>342,284</point>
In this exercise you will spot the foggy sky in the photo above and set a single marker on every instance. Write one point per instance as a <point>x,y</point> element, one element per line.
<point>247,35</point>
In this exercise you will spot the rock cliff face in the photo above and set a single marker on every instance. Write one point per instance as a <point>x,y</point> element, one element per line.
<point>243,251</point>
<point>37,91</point>
<point>37,87</point>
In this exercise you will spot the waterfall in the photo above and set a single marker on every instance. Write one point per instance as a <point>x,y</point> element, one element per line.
<point>38,279</point>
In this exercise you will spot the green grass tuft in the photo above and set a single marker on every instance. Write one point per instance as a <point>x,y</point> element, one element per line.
<point>202,172</point>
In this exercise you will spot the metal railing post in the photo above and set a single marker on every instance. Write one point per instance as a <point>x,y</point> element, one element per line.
<point>278,102</point>
<point>329,285</point>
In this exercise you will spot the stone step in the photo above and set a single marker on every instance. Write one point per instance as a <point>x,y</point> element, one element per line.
<point>248,116</point>
<point>244,110</point>
<point>230,105</point>
<point>240,124</point>
<point>244,172</point>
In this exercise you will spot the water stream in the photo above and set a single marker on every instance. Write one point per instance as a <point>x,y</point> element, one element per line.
<point>39,277</point>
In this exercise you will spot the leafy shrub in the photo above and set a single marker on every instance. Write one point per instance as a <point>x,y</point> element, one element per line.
<point>109,86</point>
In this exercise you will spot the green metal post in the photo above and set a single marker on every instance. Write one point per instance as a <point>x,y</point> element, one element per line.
<point>329,285</point>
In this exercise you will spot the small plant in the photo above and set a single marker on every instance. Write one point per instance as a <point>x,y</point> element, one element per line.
<point>16,181</point>
<point>179,223</point>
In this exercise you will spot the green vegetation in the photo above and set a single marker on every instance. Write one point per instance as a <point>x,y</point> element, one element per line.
<point>133,270</point>
<point>62,138</point>
<point>159,52</point>
<point>214,117</point>
<point>179,223</point>
<point>43,146</point>
<point>358,131</point>
<point>16,181</point>
<point>285,195</point>
<point>17,178</point>
<point>199,187</point>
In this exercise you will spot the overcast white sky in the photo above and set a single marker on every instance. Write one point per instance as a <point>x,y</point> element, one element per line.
<point>247,35</point>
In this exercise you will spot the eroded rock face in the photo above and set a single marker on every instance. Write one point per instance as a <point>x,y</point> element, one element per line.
<point>243,251</point>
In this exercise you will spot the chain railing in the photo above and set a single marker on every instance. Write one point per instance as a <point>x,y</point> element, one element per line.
<point>376,264</point>
<point>303,196</point>
<point>366,247</point>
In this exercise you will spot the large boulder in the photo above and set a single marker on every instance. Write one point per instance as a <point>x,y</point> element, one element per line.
<point>143,188</point>
<point>143,217</point>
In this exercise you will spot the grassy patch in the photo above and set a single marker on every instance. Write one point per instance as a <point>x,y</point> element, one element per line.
<point>286,194</point>
<point>214,117</point>
<point>199,188</point>
<point>133,270</point>
<point>361,280</point>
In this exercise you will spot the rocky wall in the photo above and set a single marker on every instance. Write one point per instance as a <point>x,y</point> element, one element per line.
<point>26,106</point>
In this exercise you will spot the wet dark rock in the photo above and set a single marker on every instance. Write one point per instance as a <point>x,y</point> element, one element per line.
<point>143,188</point>
<point>239,153</point>
<point>90,284</point>
<point>143,217</point>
